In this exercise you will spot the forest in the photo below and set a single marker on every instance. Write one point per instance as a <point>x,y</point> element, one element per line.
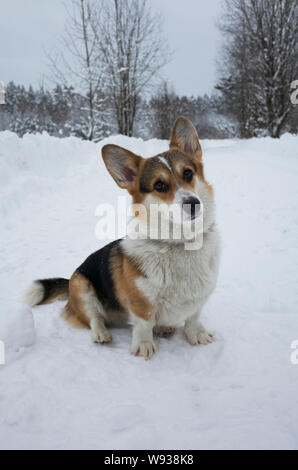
<point>106,76</point>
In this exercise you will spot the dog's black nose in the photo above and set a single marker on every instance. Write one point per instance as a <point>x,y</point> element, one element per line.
<point>192,207</point>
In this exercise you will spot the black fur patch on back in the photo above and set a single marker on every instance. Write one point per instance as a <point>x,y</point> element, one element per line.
<point>97,270</point>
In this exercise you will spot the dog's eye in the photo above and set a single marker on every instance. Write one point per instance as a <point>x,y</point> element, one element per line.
<point>161,187</point>
<point>187,175</point>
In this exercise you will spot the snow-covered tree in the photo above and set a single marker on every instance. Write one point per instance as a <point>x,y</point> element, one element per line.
<point>76,63</point>
<point>133,51</point>
<point>260,62</point>
<point>205,112</point>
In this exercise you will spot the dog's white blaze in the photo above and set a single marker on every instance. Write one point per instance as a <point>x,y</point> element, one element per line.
<point>166,163</point>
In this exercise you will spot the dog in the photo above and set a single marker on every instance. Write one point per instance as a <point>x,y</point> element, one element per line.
<point>153,285</point>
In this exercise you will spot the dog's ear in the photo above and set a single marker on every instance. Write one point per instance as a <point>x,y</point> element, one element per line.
<point>122,164</point>
<point>185,137</point>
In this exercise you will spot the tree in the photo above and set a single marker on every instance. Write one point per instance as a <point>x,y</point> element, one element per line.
<point>132,53</point>
<point>166,109</point>
<point>261,53</point>
<point>77,64</point>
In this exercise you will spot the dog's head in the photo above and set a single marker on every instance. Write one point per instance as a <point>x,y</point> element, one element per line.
<point>173,180</point>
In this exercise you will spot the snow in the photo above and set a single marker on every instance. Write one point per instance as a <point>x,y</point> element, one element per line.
<point>63,392</point>
<point>16,329</point>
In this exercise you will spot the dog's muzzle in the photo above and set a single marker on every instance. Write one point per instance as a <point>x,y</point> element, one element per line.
<point>192,207</point>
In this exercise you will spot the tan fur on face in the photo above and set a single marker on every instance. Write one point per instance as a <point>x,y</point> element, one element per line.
<point>139,175</point>
<point>125,275</point>
<point>153,171</point>
<point>168,168</point>
<point>181,163</point>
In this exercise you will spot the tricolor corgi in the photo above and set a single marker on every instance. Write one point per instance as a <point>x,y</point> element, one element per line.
<point>150,284</point>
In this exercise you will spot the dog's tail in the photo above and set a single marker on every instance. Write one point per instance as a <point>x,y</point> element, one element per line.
<point>46,291</point>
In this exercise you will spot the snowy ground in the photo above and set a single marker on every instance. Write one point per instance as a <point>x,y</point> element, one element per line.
<point>58,390</point>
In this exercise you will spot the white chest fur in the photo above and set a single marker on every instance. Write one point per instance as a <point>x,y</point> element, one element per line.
<point>177,281</point>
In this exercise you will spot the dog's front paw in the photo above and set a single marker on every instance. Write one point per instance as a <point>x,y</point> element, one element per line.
<point>199,337</point>
<point>101,337</point>
<point>144,348</point>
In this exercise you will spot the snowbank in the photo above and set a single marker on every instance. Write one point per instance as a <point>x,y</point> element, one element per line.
<point>240,392</point>
<point>16,329</point>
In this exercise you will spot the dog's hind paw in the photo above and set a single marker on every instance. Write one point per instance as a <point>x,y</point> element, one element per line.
<point>164,331</point>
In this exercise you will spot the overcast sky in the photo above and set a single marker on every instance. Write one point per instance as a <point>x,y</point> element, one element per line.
<point>27,27</point>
